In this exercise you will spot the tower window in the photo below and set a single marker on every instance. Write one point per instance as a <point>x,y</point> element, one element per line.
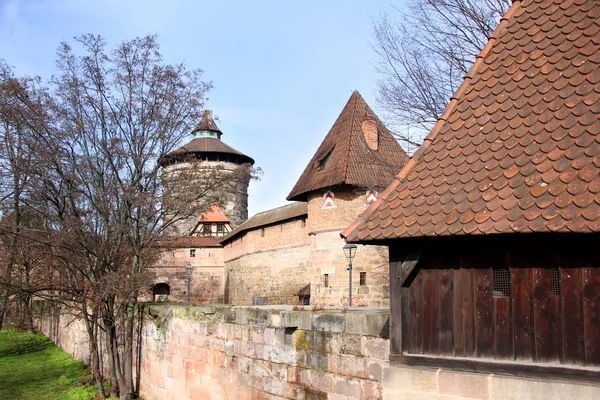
<point>363,278</point>
<point>326,280</point>
<point>501,282</point>
<point>192,252</point>
<point>262,232</point>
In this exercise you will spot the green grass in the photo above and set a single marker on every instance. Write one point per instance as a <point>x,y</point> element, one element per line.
<point>33,368</point>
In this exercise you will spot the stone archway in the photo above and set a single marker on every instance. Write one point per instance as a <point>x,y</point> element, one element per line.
<point>161,292</point>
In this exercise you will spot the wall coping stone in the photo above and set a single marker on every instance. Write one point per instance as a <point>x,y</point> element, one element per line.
<point>360,321</point>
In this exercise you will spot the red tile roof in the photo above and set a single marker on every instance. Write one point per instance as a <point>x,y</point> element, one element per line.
<point>346,156</point>
<point>214,214</point>
<point>518,147</point>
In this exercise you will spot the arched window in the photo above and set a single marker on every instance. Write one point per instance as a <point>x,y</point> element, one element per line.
<point>160,292</point>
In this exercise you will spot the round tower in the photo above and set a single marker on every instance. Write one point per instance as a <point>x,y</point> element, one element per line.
<point>205,154</point>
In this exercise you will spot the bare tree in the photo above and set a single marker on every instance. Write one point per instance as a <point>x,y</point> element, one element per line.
<point>98,135</point>
<point>423,54</point>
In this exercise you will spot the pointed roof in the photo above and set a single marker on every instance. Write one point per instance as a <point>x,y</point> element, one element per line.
<point>214,214</point>
<point>358,150</point>
<point>518,147</point>
<point>207,123</point>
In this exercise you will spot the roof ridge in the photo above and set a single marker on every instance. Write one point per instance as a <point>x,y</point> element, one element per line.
<point>352,229</point>
<point>355,96</point>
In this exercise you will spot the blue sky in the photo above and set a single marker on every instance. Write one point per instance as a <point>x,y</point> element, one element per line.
<point>282,70</point>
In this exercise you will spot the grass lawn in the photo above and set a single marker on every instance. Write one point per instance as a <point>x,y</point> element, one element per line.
<point>33,368</point>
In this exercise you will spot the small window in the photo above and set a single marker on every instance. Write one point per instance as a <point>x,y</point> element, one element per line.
<point>206,229</point>
<point>192,252</point>
<point>262,232</point>
<point>363,278</point>
<point>326,280</point>
<point>220,228</point>
<point>553,277</point>
<point>323,161</point>
<point>303,222</point>
<point>501,282</point>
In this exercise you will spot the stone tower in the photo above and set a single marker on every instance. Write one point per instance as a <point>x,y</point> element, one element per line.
<point>358,158</point>
<point>212,153</point>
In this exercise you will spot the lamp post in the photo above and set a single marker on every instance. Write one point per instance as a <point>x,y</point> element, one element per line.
<point>349,252</point>
<point>188,270</point>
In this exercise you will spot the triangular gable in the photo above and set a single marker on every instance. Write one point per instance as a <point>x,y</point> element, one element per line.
<point>518,147</point>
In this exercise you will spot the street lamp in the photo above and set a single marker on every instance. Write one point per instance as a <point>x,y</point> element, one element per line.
<point>188,270</point>
<point>349,252</point>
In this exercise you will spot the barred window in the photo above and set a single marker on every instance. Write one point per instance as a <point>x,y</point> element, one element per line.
<point>501,282</point>
<point>553,281</point>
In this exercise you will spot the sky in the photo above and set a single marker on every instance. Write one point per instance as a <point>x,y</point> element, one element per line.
<point>282,70</point>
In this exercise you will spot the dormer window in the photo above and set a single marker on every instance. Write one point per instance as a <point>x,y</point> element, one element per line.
<point>323,161</point>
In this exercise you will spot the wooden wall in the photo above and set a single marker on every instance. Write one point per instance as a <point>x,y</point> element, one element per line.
<point>448,308</point>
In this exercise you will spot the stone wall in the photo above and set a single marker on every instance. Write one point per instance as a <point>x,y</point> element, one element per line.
<point>269,262</point>
<point>329,276</point>
<point>239,353</point>
<point>233,194</point>
<point>221,352</point>
<point>207,283</point>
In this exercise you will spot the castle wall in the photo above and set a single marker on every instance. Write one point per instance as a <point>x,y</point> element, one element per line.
<point>207,283</point>
<point>268,262</point>
<point>329,277</point>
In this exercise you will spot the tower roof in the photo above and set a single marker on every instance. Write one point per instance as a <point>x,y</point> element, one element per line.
<point>207,145</point>
<point>358,150</point>
<point>207,123</point>
<point>518,147</point>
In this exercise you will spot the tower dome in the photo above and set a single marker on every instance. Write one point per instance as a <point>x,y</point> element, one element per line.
<point>207,148</point>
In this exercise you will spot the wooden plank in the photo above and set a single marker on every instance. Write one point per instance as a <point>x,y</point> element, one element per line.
<point>503,333</point>
<point>482,292</point>
<point>430,305</point>
<point>555,371</point>
<point>405,320</point>
<point>523,319</point>
<point>395,309</point>
<point>408,265</point>
<point>445,311</point>
<point>572,315</point>
<point>458,331</point>
<point>468,310</point>
<point>591,310</point>
<point>415,310</point>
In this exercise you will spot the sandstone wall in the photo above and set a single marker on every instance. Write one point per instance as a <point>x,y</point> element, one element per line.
<point>269,262</point>
<point>329,276</point>
<point>207,279</point>
<point>220,353</point>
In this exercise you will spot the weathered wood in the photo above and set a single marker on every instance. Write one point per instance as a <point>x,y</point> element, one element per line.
<point>457,328</point>
<point>572,315</point>
<point>591,309</point>
<point>468,307</point>
<point>482,292</point>
<point>395,309</point>
<point>523,320</point>
<point>404,299</point>
<point>430,310</point>
<point>415,326</point>
<point>503,333</point>
<point>554,371</point>
<point>407,267</point>
<point>445,311</point>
